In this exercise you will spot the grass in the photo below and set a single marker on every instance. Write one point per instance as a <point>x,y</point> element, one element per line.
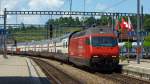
<point>147,41</point>
<point>36,34</point>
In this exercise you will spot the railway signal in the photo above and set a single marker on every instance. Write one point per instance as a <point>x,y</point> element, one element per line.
<point>51,30</point>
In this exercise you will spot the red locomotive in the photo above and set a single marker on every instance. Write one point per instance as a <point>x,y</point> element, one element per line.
<point>94,48</point>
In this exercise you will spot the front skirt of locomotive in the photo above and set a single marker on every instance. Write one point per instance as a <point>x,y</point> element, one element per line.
<point>104,62</point>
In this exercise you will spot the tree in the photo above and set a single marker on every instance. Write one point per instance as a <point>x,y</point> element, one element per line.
<point>134,21</point>
<point>89,21</point>
<point>128,46</point>
<point>77,21</point>
<point>147,45</point>
<point>147,22</point>
<point>22,26</point>
<point>104,20</point>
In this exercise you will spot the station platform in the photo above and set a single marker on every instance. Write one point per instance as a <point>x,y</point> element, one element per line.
<point>20,70</point>
<point>141,70</point>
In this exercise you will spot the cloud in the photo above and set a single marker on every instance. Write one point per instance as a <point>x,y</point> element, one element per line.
<point>30,5</point>
<point>46,4</point>
<point>88,1</point>
<point>102,8</point>
<point>41,5</point>
<point>11,5</point>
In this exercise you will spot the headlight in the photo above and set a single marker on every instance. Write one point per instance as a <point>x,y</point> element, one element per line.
<point>95,56</point>
<point>114,56</point>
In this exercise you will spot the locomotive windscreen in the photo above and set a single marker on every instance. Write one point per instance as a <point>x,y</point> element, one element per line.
<point>102,41</point>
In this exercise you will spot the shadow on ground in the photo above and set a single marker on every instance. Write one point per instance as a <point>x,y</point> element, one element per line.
<point>23,80</point>
<point>108,70</point>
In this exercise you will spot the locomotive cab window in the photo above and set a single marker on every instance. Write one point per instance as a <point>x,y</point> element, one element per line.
<point>101,41</point>
<point>104,41</point>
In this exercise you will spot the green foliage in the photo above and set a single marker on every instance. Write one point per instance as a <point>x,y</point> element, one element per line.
<point>88,21</point>
<point>134,21</point>
<point>128,45</point>
<point>147,21</point>
<point>147,38</point>
<point>32,32</point>
<point>147,41</point>
<point>146,44</point>
<point>65,21</point>
<point>104,20</point>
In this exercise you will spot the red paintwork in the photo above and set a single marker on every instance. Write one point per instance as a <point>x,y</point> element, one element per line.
<point>79,49</point>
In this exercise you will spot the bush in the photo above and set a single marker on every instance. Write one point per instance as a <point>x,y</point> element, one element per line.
<point>146,44</point>
<point>128,45</point>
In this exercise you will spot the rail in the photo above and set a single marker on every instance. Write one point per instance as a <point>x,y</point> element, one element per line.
<point>55,75</point>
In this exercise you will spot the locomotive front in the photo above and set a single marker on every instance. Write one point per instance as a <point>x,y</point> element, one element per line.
<point>94,48</point>
<point>103,50</point>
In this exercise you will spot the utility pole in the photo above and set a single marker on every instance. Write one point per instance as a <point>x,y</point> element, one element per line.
<point>4,35</point>
<point>70,3</point>
<point>142,18</point>
<point>142,36</point>
<point>84,5</point>
<point>113,25</point>
<point>138,31</point>
<point>83,15</point>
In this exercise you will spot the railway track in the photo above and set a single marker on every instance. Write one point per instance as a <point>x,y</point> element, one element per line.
<point>122,79</point>
<point>59,77</point>
<point>55,75</point>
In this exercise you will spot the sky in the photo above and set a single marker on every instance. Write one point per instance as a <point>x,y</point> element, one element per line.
<point>125,6</point>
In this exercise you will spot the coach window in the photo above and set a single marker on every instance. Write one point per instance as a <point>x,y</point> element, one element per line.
<point>66,44</point>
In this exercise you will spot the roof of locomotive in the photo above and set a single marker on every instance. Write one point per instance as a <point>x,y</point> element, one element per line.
<point>96,30</point>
